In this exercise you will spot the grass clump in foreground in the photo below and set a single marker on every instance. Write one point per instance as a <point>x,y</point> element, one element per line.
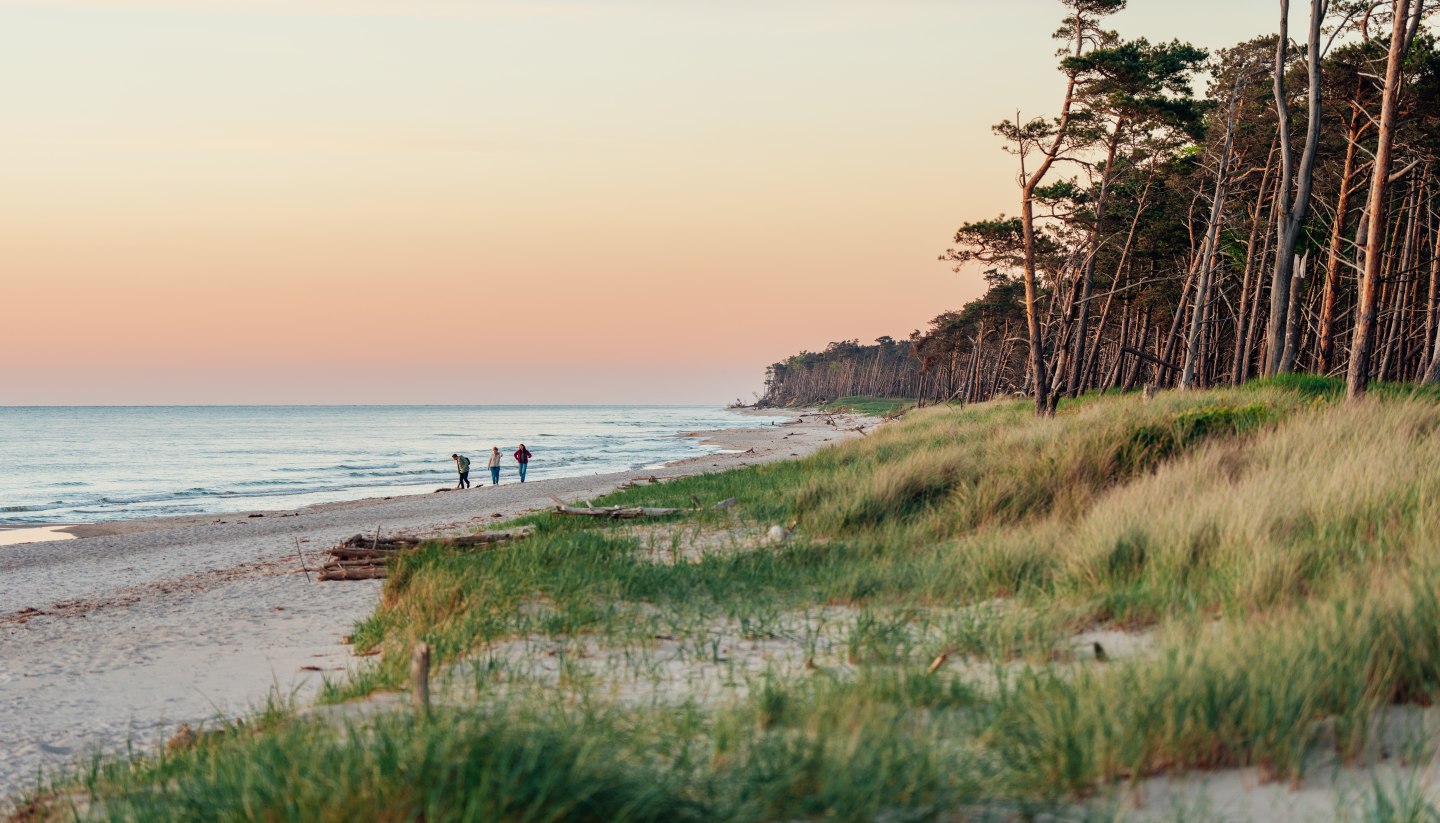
<point>1267,550</point>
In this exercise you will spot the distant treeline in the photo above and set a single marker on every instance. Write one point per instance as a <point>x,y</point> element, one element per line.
<point>1286,220</point>
<point>844,368</point>
<point>968,355</point>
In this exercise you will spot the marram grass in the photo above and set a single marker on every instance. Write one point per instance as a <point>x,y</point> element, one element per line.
<point>1276,548</point>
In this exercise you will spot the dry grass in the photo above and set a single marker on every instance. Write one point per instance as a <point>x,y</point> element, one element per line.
<point>1280,544</point>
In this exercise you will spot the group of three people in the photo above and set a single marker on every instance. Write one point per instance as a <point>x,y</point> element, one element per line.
<point>462,465</point>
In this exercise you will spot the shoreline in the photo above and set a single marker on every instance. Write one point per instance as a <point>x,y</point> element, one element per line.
<point>11,534</point>
<point>131,628</point>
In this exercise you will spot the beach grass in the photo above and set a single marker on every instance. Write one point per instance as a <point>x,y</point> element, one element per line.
<point>974,612</point>
<point>871,406</point>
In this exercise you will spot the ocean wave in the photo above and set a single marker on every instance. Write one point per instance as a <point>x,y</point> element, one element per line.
<point>153,498</point>
<point>33,507</point>
<point>143,467</point>
<point>331,467</point>
<point>268,484</point>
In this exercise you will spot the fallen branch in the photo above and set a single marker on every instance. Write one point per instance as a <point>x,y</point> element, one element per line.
<point>393,544</point>
<point>631,512</point>
<point>616,512</point>
<point>356,564</point>
<point>348,553</point>
<point>1150,358</point>
<point>367,558</point>
<point>367,573</point>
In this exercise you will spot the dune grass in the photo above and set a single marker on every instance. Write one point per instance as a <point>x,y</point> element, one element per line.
<point>872,406</point>
<point>1276,546</point>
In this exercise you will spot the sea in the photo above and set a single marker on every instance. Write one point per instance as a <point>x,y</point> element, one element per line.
<point>87,464</point>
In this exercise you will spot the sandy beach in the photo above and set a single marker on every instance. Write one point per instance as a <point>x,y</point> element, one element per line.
<point>132,628</point>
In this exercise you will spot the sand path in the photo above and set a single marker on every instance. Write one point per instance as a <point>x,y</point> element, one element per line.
<point>136,627</point>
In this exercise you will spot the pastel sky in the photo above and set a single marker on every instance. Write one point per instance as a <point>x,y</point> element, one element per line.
<point>463,201</point>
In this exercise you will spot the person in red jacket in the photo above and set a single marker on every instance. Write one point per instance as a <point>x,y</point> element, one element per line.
<point>522,456</point>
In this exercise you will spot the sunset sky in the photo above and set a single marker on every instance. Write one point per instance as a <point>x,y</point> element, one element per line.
<point>525,201</point>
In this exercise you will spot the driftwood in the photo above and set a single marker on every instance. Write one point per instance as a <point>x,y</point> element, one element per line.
<point>420,679</point>
<point>616,512</point>
<point>367,558</point>
<point>362,573</point>
<point>359,563</point>
<point>406,543</point>
<point>630,512</point>
<point>348,553</point>
<point>636,481</point>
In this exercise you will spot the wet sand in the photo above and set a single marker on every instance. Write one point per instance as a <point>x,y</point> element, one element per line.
<point>13,535</point>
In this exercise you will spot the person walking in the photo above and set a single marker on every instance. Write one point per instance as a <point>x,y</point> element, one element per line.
<point>462,465</point>
<point>494,465</point>
<point>522,456</point>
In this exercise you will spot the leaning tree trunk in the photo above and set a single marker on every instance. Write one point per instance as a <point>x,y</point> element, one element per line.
<point>1246,281</point>
<point>1335,256</point>
<point>1363,342</point>
<point>1212,235</point>
<point>1279,356</point>
<point>1078,362</point>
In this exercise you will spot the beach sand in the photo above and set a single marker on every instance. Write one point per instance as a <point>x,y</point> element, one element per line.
<point>12,535</point>
<point>138,626</point>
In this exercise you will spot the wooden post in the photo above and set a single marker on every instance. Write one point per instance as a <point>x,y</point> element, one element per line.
<point>420,679</point>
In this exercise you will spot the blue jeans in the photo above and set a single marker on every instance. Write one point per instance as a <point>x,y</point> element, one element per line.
<point>494,475</point>
<point>523,467</point>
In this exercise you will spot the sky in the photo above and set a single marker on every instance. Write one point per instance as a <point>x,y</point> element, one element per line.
<point>499,201</point>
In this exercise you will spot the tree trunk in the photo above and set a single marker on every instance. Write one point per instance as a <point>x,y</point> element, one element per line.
<point>1087,274</point>
<point>1326,334</point>
<point>1364,339</point>
<point>1212,237</point>
<point>1246,279</point>
<point>1278,355</point>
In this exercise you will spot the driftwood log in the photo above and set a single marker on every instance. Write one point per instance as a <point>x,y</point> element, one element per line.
<point>629,512</point>
<point>399,543</point>
<point>367,558</point>
<point>617,512</point>
<point>362,573</point>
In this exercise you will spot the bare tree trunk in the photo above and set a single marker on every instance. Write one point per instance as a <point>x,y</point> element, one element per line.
<point>1253,326</point>
<point>1337,240</point>
<point>1292,318</point>
<point>1246,281</point>
<point>1163,374</point>
<point>1364,340</point>
<point>1134,370</point>
<point>1212,233</point>
<point>1432,340</point>
<point>1278,356</point>
<point>1027,222</point>
<point>1124,258</point>
<point>1087,273</point>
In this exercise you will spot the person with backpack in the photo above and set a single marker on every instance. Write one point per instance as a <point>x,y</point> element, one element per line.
<point>494,465</point>
<point>462,465</point>
<point>522,456</point>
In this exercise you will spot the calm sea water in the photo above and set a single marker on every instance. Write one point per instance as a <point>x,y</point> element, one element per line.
<point>87,464</point>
